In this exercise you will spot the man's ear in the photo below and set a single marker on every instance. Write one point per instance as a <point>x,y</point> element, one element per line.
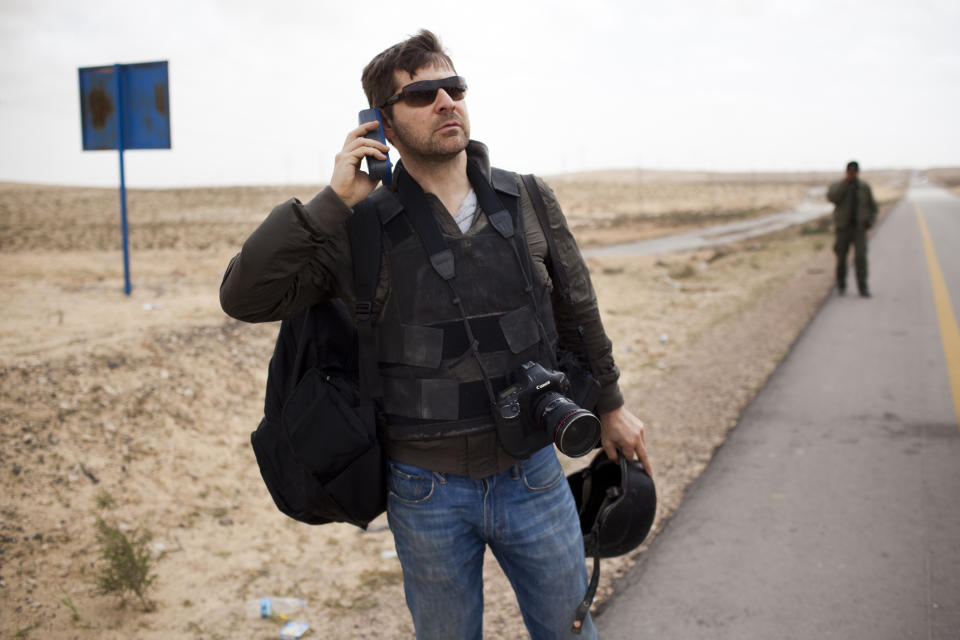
<point>387,128</point>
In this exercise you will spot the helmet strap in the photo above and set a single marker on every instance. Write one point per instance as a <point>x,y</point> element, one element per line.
<point>592,540</point>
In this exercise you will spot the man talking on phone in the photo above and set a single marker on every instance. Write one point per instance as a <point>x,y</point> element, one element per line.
<point>854,213</point>
<point>449,350</point>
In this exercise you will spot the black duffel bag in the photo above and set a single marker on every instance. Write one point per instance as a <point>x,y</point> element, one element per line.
<point>317,445</point>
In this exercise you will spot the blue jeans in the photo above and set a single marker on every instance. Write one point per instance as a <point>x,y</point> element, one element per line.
<point>442,523</point>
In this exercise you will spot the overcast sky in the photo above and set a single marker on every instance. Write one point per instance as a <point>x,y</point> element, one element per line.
<point>265,92</point>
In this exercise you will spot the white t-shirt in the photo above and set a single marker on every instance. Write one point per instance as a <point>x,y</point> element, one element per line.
<point>467,212</point>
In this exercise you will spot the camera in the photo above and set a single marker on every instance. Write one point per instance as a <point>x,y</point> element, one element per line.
<point>535,406</point>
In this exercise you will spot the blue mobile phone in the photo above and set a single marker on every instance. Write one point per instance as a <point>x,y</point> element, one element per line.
<point>378,169</point>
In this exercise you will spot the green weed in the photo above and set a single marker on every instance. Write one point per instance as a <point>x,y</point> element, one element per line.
<point>126,564</point>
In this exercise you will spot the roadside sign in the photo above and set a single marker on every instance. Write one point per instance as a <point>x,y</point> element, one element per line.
<point>138,91</point>
<point>125,106</point>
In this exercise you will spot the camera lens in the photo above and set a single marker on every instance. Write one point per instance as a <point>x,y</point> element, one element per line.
<point>575,430</point>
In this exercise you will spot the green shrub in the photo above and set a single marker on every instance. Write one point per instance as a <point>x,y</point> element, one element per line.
<point>126,563</point>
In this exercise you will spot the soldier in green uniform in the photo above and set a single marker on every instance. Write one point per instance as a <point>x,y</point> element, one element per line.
<point>855,212</point>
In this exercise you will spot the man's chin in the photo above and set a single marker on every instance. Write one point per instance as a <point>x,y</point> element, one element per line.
<point>454,137</point>
<point>450,147</point>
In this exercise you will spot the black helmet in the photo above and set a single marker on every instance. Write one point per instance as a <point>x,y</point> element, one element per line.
<point>616,503</point>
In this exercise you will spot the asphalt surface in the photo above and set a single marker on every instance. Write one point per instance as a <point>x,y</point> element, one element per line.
<point>833,508</point>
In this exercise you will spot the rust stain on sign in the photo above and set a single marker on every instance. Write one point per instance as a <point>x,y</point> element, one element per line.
<point>160,98</point>
<point>101,106</point>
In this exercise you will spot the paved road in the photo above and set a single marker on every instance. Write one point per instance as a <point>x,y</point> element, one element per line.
<point>833,509</point>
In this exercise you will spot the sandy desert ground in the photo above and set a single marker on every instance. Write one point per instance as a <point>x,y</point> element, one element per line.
<point>138,409</point>
<point>946,177</point>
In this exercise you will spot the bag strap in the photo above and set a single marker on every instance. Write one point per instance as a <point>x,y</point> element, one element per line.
<point>554,263</point>
<point>363,229</point>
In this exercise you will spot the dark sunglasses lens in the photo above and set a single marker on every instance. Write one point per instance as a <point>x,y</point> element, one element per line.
<point>457,92</point>
<point>455,88</point>
<point>420,97</point>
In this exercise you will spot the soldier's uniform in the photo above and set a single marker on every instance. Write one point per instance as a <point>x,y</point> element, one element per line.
<point>855,212</point>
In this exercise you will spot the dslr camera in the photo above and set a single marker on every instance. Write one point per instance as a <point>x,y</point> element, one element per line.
<point>536,405</point>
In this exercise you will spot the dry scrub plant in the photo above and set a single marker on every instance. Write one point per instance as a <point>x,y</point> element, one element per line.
<point>126,563</point>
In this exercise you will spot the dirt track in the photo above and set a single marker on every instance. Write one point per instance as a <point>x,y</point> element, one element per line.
<point>139,410</point>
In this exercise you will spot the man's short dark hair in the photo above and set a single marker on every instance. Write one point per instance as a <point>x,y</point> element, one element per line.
<point>853,165</point>
<point>416,52</point>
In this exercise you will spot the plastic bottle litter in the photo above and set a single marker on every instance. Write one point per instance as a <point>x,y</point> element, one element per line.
<point>293,630</point>
<point>266,607</point>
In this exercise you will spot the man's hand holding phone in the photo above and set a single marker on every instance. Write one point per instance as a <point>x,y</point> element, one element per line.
<point>348,181</point>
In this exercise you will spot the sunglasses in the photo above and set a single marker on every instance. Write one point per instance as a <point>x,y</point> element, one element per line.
<point>424,92</point>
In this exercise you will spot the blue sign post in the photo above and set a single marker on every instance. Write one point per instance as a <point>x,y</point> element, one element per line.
<point>125,106</point>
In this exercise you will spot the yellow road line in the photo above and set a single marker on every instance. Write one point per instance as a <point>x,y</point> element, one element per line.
<point>948,322</point>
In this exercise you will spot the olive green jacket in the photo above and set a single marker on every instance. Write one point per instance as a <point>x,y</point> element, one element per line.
<point>841,194</point>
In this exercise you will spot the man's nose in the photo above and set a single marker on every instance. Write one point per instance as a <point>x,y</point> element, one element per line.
<point>444,101</point>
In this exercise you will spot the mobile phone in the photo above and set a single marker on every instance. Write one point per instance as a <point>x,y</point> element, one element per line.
<point>378,169</point>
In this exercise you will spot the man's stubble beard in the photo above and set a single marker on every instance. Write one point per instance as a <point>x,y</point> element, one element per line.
<point>430,148</point>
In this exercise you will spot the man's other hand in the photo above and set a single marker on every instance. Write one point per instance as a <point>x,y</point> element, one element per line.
<point>622,430</point>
